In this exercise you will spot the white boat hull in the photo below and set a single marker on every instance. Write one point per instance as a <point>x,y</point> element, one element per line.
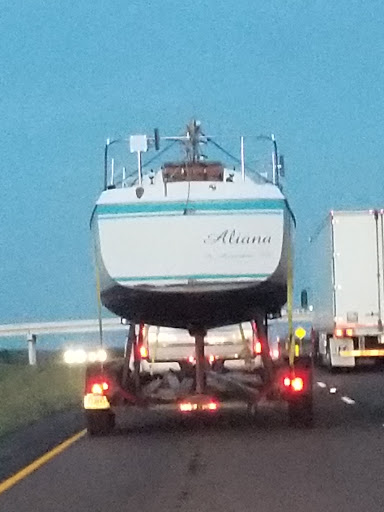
<point>208,263</point>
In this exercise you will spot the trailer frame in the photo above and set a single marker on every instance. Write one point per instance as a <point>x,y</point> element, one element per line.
<point>282,381</point>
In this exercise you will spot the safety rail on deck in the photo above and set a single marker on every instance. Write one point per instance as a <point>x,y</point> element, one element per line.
<point>139,144</point>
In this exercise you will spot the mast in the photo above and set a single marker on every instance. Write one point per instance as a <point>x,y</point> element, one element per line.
<point>194,140</point>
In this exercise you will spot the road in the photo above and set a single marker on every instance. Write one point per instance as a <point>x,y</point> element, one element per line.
<point>228,464</point>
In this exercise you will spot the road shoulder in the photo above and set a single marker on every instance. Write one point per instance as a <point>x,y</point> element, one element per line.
<point>22,447</point>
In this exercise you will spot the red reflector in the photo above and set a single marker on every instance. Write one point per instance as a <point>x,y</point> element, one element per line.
<point>297,384</point>
<point>257,347</point>
<point>339,333</point>
<point>143,352</point>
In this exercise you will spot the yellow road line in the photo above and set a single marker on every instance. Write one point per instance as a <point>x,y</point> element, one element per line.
<point>36,464</point>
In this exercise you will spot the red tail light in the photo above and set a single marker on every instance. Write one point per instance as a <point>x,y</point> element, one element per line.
<point>211,406</point>
<point>143,352</point>
<point>97,386</point>
<point>295,384</point>
<point>199,405</point>
<point>257,347</point>
<point>256,342</point>
<point>141,334</point>
<point>287,382</point>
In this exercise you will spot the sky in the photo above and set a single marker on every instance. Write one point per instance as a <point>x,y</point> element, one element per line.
<point>74,73</point>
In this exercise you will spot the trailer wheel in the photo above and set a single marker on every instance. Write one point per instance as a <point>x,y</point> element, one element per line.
<point>300,411</point>
<point>218,366</point>
<point>100,423</point>
<point>252,412</point>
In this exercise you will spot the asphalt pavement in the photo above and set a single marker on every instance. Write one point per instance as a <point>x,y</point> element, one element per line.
<point>154,463</point>
<point>22,447</point>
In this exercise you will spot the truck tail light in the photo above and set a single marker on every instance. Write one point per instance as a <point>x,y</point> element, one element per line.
<point>339,333</point>
<point>349,332</point>
<point>274,353</point>
<point>257,347</point>
<point>256,342</point>
<point>143,352</point>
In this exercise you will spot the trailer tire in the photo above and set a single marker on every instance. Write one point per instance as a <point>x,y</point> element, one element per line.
<point>100,423</point>
<point>327,363</point>
<point>218,366</point>
<point>300,411</point>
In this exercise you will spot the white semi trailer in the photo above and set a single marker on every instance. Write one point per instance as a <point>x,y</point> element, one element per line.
<point>347,266</point>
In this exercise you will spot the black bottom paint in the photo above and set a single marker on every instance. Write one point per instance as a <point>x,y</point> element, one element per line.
<point>194,308</point>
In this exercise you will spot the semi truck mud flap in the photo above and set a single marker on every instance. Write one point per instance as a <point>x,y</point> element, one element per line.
<point>337,345</point>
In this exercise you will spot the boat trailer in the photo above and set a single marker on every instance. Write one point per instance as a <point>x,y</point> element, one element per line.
<point>121,383</point>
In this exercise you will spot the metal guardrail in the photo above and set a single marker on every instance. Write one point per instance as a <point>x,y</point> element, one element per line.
<point>298,316</point>
<point>92,325</point>
<point>33,329</point>
<point>66,326</point>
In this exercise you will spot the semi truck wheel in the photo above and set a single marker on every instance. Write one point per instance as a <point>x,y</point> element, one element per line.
<point>328,363</point>
<point>100,423</point>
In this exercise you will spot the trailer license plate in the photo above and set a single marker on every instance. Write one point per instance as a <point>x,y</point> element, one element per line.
<point>92,401</point>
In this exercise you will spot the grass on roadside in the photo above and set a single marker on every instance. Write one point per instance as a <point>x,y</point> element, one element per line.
<point>30,393</point>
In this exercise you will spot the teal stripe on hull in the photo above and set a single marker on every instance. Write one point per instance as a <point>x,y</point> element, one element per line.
<point>199,213</point>
<point>193,276</point>
<point>237,205</point>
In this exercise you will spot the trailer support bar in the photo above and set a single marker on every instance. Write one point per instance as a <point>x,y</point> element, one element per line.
<point>200,362</point>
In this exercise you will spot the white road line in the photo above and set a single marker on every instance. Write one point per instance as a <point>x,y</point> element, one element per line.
<point>332,390</point>
<point>322,384</point>
<point>348,400</point>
